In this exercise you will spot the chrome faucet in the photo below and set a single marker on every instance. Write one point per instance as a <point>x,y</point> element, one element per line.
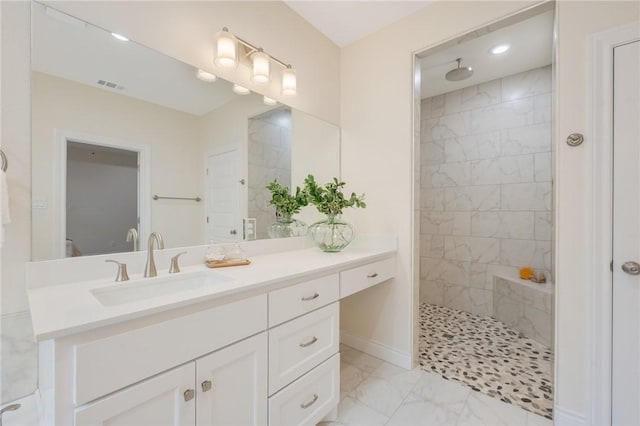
<point>150,269</point>
<point>132,235</point>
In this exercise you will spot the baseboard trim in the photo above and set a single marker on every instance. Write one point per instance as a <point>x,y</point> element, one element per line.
<point>377,349</point>
<point>564,417</point>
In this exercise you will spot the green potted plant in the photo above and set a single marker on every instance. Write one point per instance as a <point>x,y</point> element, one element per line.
<point>331,234</point>
<point>286,205</point>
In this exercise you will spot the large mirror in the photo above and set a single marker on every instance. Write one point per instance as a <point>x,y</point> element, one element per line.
<point>127,141</point>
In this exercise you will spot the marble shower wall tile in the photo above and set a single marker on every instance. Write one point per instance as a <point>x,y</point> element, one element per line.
<point>269,158</point>
<point>19,369</point>
<point>486,190</point>
<point>525,307</point>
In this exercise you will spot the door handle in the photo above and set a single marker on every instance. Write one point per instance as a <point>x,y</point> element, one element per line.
<point>233,232</point>
<point>631,268</point>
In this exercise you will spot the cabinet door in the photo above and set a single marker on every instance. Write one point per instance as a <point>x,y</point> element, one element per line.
<point>232,384</point>
<point>158,401</point>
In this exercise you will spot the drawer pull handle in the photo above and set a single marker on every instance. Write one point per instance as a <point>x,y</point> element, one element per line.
<point>206,385</point>
<point>189,394</point>
<point>310,403</point>
<point>375,274</point>
<point>306,299</point>
<point>309,343</point>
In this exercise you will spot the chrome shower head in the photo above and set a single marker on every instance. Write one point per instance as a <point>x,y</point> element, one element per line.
<point>460,73</point>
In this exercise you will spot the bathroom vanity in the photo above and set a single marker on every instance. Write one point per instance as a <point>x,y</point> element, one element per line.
<point>256,344</point>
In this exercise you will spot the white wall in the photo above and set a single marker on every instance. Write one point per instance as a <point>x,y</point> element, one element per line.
<point>176,160</point>
<point>315,149</point>
<point>18,362</point>
<point>183,30</point>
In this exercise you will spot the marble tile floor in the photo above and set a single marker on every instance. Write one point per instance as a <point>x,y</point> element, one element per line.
<point>374,392</point>
<point>487,356</point>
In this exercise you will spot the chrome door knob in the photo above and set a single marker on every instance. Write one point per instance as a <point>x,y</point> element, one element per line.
<point>233,232</point>
<point>631,268</point>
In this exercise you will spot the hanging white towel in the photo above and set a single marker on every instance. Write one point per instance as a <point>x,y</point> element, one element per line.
<point>5,216</point>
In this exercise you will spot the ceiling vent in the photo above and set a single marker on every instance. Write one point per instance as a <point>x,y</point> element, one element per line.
<point>110,85</point>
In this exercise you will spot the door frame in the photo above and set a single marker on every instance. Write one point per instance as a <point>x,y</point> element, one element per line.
<point>243,193</point>
<point>59,194</point>
<point>600,319</point>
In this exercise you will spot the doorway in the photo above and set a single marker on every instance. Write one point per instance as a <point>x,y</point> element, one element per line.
<point>485,198</point>
<point>101,190</point>
<point>223,186</point>
<point>101,199</point>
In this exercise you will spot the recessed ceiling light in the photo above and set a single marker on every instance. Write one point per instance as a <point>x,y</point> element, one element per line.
<point>241,90</point>
<point>206,76</point>
<point>499,49</point>
<point>119,37</point>
<point>269,101</point>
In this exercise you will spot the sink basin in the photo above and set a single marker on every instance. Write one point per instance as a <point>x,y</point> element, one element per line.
<point>148,288</point>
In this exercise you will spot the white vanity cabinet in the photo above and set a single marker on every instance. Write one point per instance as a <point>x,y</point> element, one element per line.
<point>227,387</point>
<point>158,401</point>
<point>266,354</point>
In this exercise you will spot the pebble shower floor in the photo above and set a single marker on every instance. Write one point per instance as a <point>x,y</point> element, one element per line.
<point>487,356</point>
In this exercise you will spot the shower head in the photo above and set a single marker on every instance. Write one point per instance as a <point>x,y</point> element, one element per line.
<point>460,73</point>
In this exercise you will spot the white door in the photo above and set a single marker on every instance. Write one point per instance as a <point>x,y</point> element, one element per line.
<point>232,384</point>
<point>222,200</point>
<point>159,401</point>
<point>626,236</point>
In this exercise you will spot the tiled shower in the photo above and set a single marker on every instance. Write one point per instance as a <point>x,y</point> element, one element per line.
<point>485,188</point>
<point>485,212</point>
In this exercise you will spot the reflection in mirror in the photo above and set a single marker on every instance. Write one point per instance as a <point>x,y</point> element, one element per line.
<point>115,124</point>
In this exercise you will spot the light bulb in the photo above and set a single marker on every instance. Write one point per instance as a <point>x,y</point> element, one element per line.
<point>269,101</point>
<point>497,50</point>
<point>289,83</point>
<point>261,67</point>
<point>225,49</point>
<point>206,76</point>
<point>241,90</point>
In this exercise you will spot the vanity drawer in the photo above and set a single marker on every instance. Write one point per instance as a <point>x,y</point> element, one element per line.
<point>299,345</point>
<point>310,398</point>
<point>105,365</point>
<point>291,302</point>
<point>362,277</point>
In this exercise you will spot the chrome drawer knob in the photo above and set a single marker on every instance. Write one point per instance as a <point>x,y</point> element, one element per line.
<point>206,385</point>
<point>189,394</point>
<point>375,274</point>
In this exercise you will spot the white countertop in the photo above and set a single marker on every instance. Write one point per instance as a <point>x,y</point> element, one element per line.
<point>64,309</point>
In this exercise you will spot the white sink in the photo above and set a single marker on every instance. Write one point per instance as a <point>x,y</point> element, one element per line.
<point>148,288</point>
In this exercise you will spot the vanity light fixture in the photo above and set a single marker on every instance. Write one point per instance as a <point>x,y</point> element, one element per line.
<point>225,48</point>
<point>206,76</point>
<point>241,90</point>
<point>289,81</point>
<point>261,72</point>
<point>500,49</point>
<point>119,37</point>
<point>269,101</point>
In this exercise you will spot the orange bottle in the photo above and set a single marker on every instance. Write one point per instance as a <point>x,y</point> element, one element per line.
<point>526,273</point>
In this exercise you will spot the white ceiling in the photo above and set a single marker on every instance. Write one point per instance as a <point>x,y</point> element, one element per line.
<point>531,47</point>
<point>66,47</point>
<point>347,21</point>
